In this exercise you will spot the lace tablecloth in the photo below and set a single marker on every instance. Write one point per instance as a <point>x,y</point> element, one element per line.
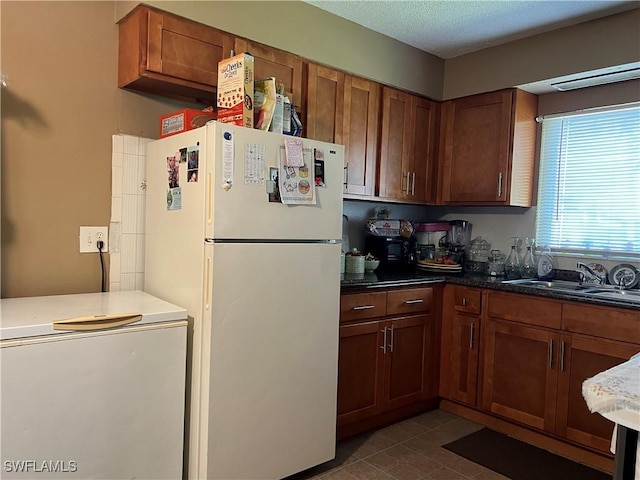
<point>615,394</point>
<point>616,389</point>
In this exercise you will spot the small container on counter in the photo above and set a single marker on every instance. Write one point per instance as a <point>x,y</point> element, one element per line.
<point>495,266</point>
<point>354,262</point>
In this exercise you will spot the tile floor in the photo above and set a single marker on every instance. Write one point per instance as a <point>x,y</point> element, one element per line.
<point>407,450</point>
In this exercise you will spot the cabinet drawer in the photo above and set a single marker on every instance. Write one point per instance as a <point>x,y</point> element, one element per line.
<point>604,322</point>
<point>525,309</point>
<point>359,306</point>
<point>410,300</point>
<point>467,300</point>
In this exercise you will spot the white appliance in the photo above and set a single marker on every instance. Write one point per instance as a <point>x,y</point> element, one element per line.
<point>92,387</point>
<point>261,283</point>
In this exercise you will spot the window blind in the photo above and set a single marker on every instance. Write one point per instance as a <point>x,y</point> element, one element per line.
<point>589,183</point>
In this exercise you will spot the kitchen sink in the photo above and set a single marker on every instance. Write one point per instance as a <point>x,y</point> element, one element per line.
<point>562,285</point>
<point>614,294</point>
<point>588,290</point>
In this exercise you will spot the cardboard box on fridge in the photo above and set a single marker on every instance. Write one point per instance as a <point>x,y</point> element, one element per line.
<point>184,120</point>
<point>235,90</point>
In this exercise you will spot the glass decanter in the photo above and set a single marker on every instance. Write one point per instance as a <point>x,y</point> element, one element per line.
<point>529,268</point>
<point>512,264</point>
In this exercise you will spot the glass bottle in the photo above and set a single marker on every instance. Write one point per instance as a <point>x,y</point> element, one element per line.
<point>529,267</point>
<point>512,265</point>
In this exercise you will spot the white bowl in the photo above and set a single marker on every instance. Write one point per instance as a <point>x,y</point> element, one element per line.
<point>371,265</point>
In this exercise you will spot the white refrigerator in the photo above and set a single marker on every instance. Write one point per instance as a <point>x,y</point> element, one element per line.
<point>92,386</point>
<point>261,283</point>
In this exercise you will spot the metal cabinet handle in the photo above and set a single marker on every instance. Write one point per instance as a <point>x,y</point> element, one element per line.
<point>407,189</point>
<point>346,175</point>
<point>413,302</point>
<point>464,301</point>
<point>562,351</point>
<point>471,335</point>
<point>391,343</point>
<point>551,353</point>
<point>384,340</point>
<point>413,183</point>
<point>364,307</point>
<point>500,185</point>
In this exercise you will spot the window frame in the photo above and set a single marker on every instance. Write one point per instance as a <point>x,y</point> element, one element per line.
<point>545,233</point>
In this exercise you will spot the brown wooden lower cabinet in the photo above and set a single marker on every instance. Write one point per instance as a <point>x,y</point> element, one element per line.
<point>381,366</point>
<point>520,373</point>
<point>461,371</point>
<point>460,344</point>
<point>360,364</point>
<point>534,376</point>
<point>583,358</point>
<point>405,369</point>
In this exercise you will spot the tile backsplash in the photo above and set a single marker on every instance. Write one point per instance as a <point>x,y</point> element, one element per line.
<point>127,229</point>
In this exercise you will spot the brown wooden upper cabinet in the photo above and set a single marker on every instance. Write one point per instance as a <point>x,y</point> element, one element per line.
<point>284,66</point>
<point>407,147</point>
<point>344,109</point>
<point>487,149</point>
<point>325,103</point>
<point>168,55</point>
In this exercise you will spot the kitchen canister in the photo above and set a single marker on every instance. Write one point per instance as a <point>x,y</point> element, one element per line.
<point>354,262</point>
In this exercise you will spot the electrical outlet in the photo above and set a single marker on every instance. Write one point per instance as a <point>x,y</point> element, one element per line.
<point>89,237</point>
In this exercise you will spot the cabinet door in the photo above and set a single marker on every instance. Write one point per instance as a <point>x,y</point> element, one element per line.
<point>520,373</point>
<point>582,358</point>
<point>184,49</point>
<point>461,366</point>
<point>360,135</point>
<point>360,371</point>
<point>325,104</point>
<point>271,62</point>
<point>395,173</point>
<point>407,165</point>
<point>168,55</point>
<point>476,148</point>
<point>406,376</point>
<point>422,142</point>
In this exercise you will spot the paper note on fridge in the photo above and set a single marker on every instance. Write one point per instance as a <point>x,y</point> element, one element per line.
<point>296,187</point>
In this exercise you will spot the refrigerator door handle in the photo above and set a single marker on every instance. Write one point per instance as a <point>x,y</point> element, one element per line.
<point>209,199</point>
<point>97,322</point>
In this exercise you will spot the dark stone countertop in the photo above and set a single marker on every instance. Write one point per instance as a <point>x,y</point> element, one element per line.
<point>370,281</point>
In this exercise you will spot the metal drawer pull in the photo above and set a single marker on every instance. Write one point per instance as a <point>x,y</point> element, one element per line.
<point>413,302</point>
<point>473,328</point>
<point>562,350</point>
<point>391,343</point>
<point>384,340</point>
<point>551,353</point>
<point>464,301</point>
<point>364,307</point>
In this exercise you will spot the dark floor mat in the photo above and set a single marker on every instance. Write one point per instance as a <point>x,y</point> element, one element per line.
<point>518,460</point>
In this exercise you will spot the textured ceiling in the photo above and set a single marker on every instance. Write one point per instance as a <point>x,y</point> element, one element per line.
<point>450,28</point>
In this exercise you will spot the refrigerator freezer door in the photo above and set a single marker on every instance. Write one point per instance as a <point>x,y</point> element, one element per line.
<point>243,211</point>
<point>95,405</point>
<point>274,350</point>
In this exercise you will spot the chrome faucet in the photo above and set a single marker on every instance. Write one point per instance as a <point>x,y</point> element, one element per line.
<point>589,275</point>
